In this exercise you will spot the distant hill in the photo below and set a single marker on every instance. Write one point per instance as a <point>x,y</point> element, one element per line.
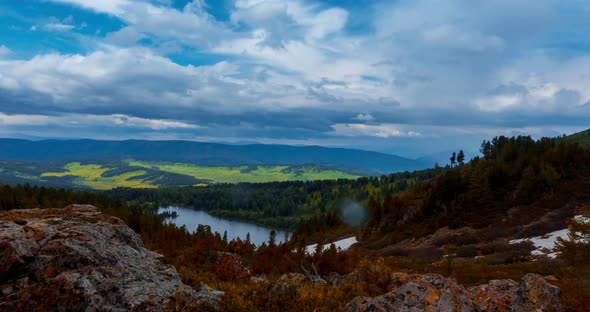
<point>518,188</point>
<point>582,138</point>
<point>209,154</point>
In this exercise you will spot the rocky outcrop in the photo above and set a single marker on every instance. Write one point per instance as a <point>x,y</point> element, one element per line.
<point>432,292</point>
<point>79,259</point>
<point>288,284</point>
<point>536,294</point>
<point>496,295</point>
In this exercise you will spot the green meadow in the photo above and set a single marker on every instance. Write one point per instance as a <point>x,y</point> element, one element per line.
<point>105,175</point>
<point>91,175</point>
<point>251,174</point>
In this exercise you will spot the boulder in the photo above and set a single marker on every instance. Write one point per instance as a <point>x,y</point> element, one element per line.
<point>79,259</point>
<point>288,284</point>
<point>536,294</point>
<point>496,295</point>
<point>430,292</point>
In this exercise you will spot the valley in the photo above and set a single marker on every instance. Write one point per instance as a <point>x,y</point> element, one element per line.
<point>470,223</point>
<point>106,175</point>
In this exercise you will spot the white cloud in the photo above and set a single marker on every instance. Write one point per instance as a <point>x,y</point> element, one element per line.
<point>412,62</point>
<point>381,130</point>
<point>138,77</point>
<point>85,121</point>
<point>154,124</point>
<point>453,37</point>
<point>58,27</point>
<point>364,117</point>
<point>5,51</point>
<point>114,7</point>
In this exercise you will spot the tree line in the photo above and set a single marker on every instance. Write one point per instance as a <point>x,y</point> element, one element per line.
<point>511,172</point>
<point>276,204</point>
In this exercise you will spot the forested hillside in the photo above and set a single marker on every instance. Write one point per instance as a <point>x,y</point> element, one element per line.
<point>278,204</point>
<point>517,180</point>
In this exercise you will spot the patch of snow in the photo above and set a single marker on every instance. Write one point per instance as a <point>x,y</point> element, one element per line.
<point>545,244</point>
<point>343,244</point>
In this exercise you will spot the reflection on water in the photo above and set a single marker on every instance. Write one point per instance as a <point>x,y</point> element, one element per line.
<point>192,218</point>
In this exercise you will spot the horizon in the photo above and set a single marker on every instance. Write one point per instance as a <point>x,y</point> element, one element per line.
<point>470,153</point>
<point>395,77</point>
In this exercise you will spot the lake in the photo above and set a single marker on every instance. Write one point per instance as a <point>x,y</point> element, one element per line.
<point>192,218</point>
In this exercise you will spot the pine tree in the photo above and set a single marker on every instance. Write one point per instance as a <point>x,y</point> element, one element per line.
<point>452,159</point>
<point>272,238</point>
<point>576,249</point>
<point>461,157</point>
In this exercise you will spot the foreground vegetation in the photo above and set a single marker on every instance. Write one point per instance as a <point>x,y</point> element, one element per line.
<point>196,256</point>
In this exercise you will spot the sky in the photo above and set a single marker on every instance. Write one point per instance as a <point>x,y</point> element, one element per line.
<point>407,77</point>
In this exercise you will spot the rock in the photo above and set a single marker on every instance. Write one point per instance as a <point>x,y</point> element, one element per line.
<point>288,284</point>
<point>208,298</point>
<point>333,278</point>
<point>430,292</point>
<point>258,279</point>
<point>78,258</point>
<point>351,278</point>
<point>496,295</point>
<point>536,294</point>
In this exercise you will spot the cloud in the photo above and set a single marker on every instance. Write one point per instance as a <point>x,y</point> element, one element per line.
<point>291,71</point>
<point>84,120</point>
<point>114,7</point>
<point>364,117</point>
<point>381,130</point>
<point>281,21</point>
<point>5,51</point>
<point>64,25</point>
<point>58,27</point>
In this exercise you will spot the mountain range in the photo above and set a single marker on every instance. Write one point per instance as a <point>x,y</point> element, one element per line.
<point>209,154</point>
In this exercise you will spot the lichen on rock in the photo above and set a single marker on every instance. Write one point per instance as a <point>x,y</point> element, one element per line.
<point>432,292</point>
<point>78,258</point>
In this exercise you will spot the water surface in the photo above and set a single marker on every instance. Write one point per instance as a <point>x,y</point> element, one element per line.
<point>192,218</point>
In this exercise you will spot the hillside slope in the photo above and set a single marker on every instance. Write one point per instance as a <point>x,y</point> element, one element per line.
<point>519,188</point>
<point>582,138</point>
<point>211,154</point>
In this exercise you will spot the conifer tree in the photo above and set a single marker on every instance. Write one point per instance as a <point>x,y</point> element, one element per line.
<point>461,157</point>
